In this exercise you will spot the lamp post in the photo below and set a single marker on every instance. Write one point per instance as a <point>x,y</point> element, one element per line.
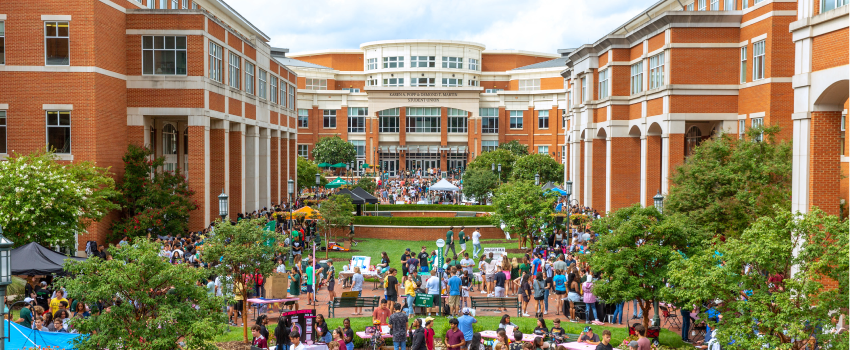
<point>500,172</point>
<point>537,179</point>
<point>5,278</point>
<point>569,190</point>
<point>318,183</point>
<point>440,244</point>
<point>659,204</point>
<point>291,190</point>
<point>222,205</point>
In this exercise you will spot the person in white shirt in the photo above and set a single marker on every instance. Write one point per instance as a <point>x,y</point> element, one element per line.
<point>295,339</point>
<point>476,241</point>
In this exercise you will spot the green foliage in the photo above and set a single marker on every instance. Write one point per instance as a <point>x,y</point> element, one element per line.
<point>549,169</point>
<point>479,183</point>
<point>486,160</point>
<point>729,183</point>
<point>367,184</point>
<point>334,150</point>
<point>47,202</point>
<point>336,215</point>
<point>307,171</point>
<point>633,258</point>
<point>166,295</point>
<point>420,221</point>
<point>154,201</point>
<point>241,250</point>
<point>515,147</point>
<point>785,310</point>
<point>522,207</point>
<point>427,207</point>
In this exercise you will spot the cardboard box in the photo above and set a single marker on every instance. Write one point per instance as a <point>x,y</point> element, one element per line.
<point>277,285</point>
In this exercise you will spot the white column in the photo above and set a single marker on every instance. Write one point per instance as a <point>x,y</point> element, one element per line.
<point>264,174</point>
<point>227,157</point>
<point>251,168</point>
<point>800,166</point>
<point>588,169</point>
<point>665,161</point>
<point>643,164</point>
<point>608,173</point>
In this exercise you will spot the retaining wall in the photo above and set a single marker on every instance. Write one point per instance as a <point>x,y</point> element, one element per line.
<point>421,233</point>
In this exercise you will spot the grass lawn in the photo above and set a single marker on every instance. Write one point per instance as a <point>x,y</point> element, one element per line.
<point>526,325</point>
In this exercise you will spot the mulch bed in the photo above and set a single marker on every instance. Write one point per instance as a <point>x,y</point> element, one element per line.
<point>233,345</point>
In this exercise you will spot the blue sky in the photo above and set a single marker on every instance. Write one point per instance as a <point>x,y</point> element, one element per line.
<point>532,25</point>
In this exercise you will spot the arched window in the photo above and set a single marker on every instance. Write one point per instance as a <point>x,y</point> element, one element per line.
<point>692,139</point>
<point>169,139</point>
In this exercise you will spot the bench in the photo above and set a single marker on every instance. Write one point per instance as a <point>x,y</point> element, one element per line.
<point>499,303</point>
<point>341,303</point>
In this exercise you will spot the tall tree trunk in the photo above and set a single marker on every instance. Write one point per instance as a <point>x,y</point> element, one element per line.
<point>646,305</point>
<point>245,312</point>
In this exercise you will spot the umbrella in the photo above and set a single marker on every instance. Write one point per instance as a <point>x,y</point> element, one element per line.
<point>338,165</point>
<point>324,165</point>
<point>367,166</point>
<point>336,183</point>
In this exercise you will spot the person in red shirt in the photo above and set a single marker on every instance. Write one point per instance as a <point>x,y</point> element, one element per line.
<point>454,337</point>
<point>259,341</point>
<point>429,333</point>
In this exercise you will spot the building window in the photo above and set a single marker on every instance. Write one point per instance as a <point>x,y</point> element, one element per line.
<point>758,60</point>
<point>423,82</point>
<point>744,4</point>
<point>473,64</point>
<point>394,62</point>
<point>757,123</point>
<point>603,84</point>
<point>656,71</point>
<point>584,89</point>
<point>174,4</point>
<point>516,119</point>
<point>163,4</point>
<point>637,78</point>
<point>843,137</point>
<point>249,77</point>
<point>357,119</point>
<point>164,55</point>
<point>543,150</point>
<point>302,118</point>
<point>452,82</point>
<point>371,82</point>
<point>303,151</point>
<point>59,131</point>
<point>3,132</point>
<point>487,146</point>
<point>2,42</point>
<point>701,6</point>
<point>741,128</point>
<point>729,5</point>
<point>473,82</point>
<point>351,90</point>
<point>317,84</point>
<point>360,147</point>
<point>169,147</point>
<point>273,90</point>
<point>689,7</point>
<point>371,63</point>
<point>489,120</point>
<point>743,64</point>
<point>292,97</point>
<point>235,62</point>
<point>715,5</point>
<point>423,61</point>
<point>453,62</point>
<point>692,140</point>
<point>185,5</point>
<point>423,119</point>
<point>283,89</point>
<point>215,62</point>
<point>261,85</point>
<point>389,120</point>
<point>194,5</point>
<point>542,119</point>
<point>529,84</point>
<point>57,44</point>
<point>394,82</point>
<point>457,120</point>
<point>828,5</point>
<point>329,118</point>
<point>492,91</point>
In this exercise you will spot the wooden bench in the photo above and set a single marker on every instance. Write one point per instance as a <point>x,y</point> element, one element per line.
<point>341,303</point>
<point>499,303</point>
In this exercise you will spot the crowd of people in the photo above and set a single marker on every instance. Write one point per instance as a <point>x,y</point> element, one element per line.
<point>414,190</point>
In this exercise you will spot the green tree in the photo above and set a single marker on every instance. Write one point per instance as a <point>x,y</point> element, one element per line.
<point>307,171</point>
<point>487,160</point>
<point>367,184</point>
<point>336,215</point>
<point>479,183</point>
<point>633,253</point>
<point>242,250</point>
<point>148,302</point>
<point>763,285</point>
<point>549,169</point>
<point>154,201</point>
<point>334,150</point>
<point>522,207</point>
<point>728,182</point>
<point>515,147</point>
<point>47,202</point>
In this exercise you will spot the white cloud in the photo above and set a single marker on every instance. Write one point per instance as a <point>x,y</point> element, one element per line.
<point>532,25</point>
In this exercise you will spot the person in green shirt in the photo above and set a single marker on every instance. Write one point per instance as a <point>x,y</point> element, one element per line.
<point>450,241</point>
<point>308,272</point>
<point>525,267</point>
<point>295,284</point>
<point>25,318</point>
<point>461,237</point>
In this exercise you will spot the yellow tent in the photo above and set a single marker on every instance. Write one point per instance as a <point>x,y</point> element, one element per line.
<point>306,212</point>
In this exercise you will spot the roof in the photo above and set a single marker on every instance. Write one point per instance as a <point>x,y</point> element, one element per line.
<point>558,62</point>
<point>291,62</point>
<point>223,6</point>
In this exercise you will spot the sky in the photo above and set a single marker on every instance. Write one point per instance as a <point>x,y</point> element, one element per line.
<point>530,25</point>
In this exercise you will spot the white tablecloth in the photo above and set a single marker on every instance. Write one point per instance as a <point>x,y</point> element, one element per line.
<point>316,347</point>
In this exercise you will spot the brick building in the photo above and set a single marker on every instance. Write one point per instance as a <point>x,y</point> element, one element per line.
<point>643,96</point>
<point>192,79</point>
<point>410,104</point>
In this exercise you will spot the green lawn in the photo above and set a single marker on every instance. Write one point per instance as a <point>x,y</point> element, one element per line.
<point>395,248</point>
<point>526,325</point>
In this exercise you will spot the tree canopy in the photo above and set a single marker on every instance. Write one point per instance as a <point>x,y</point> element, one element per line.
<point>515,147</point>
<point>367,184</point>
<point>47,202</point>
<point>141,301</point>
<point>478,183</point>
<point>336,215</point>
<point>307,171</point>
<point>549,169</point>
<point>728,182</point>
<point>486,160</point>
<point>333,150</point>
<point>521,206</point>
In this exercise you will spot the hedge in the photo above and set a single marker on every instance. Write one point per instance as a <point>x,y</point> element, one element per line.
<point>429,207</point>
<point>414,221</point>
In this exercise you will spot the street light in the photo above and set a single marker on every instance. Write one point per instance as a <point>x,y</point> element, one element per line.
<point>659,204</point>
<point>5,278</point>
<point>440,244</point>
<point>537,179</point>
<point>222,205</point>
<point>492,166</point>
<point>291,190</point>
<point>318,183</point>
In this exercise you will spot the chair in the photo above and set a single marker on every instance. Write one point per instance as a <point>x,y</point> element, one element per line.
<point>670,317</point>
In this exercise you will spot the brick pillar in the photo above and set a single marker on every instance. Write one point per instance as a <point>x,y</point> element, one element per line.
<point>199,161</point>
<point>274,172</point>
<point>625,172</point>
<point>402,139</point>
<point>825,161</point>
<point>317,124</point>
<point>444,136</point>
<point>293,164</point>
<point>675,149</point>
<point>342,123</point>
<point>136,135</point>
<point>599,176</point>
<point>218,166</point>
<point>235,194</point>
<point>653,168</point>
<point>504,118</point>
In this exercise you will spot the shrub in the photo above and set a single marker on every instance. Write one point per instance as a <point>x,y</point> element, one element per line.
<point>428,207</point>
<point>380,220</point>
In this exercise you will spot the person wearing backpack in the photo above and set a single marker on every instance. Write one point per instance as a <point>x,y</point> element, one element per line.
<point>539,286</point>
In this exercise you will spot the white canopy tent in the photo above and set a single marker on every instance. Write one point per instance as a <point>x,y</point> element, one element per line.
<point>444,185</point>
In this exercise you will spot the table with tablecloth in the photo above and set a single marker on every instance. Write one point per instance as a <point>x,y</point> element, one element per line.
<point>315,346</point>
<point>578,346</point>
<point>363,335</point>
<point>494,335</point>
<point>263,301</point>
<point>343,275</point>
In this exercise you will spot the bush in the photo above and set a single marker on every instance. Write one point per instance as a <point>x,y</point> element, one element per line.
<point>428,207</point>
<point>380,220</point>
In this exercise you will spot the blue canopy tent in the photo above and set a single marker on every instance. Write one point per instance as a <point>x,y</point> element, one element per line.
<point>560,191</point>
<point>25,338</point>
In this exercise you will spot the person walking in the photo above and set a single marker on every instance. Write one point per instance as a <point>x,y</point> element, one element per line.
<point>417,335</point>
<point>398,328</point>
<point>450,241</point>
<point>454,285</point>
<point>589,298</point>
<point>539,286</point>
<point>476,241</point>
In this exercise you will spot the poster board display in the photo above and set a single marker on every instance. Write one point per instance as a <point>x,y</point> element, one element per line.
<point>277,285</point>
<point>360,261</point>
<point>302,321</point>
<point>498,253</point>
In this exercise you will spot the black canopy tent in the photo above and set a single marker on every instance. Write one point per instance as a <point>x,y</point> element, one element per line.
<point>35,259</point>
<point>355,199</point>
<point>365,195</point>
